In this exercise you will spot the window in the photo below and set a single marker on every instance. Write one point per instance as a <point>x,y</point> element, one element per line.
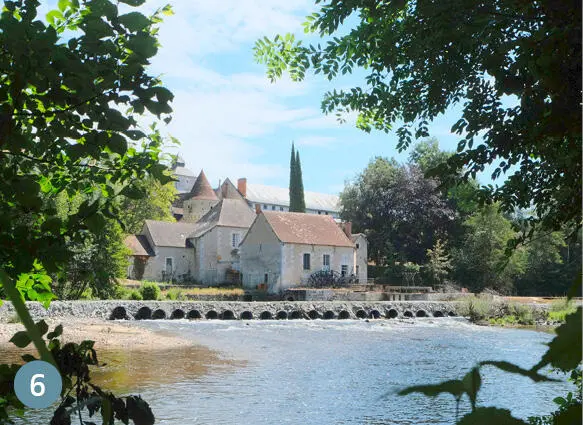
<point>357,270</point>
<point>273,208</point>
<point>344,270</point>
<point>281,208</point>
<point>326,261</point>
<point>235,239</point>
<point>357,246</point>
<point>319,212</point>
<point>306,261</point>
<point>264,206</point>
<point>266,278</point>
<point>169,265</point>
<point>326,212</point>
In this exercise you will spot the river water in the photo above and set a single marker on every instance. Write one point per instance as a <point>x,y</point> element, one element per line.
<point>330,372</point>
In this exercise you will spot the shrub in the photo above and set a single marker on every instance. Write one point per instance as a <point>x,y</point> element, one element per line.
<point>120,293</point>
<point>135,295</point>
<point>150,291</point>
<point>560,309</point>
<point>175,295</point>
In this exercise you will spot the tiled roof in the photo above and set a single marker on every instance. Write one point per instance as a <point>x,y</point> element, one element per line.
<point>139,245</point>
<point>227,190</point>
<point>307,229</point>
<point>261,194</point>
<point>165,233</point>
<point>202,189</point>
<point>227,213</point>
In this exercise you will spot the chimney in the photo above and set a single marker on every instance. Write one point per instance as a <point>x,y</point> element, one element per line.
<point>242,186</point>
<point>347,227</point>
<point>257,208</point>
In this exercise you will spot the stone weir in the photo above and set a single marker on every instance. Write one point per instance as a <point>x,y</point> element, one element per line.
<point>224,310</point>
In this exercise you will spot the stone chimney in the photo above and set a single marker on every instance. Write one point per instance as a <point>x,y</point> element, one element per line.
<point>347,227</point>
<point>257,208</point>
<point>242,186</point>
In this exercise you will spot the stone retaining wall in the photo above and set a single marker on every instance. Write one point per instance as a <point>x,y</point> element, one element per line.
<point>136,310</point>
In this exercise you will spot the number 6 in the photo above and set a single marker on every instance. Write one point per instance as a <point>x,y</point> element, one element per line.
<point>34,385</point>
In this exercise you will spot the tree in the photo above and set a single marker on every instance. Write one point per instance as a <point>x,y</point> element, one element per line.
<point>156,205</point>
<point>508,65</point>
<point>481,261</point>
<point>427,155</point>
<point>296,184</point>
<point>300,184</point>
<point>71,95</point>
<point>401,212</point>
<point>438,263</point>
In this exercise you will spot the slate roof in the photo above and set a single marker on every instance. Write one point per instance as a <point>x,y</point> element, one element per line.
<point>202,189</point>
<point>261,194</point>
<point>139,245</point>
<point>307,229</point>
<point>228,190</point>
<point>227,213</point>
<point>165,233</point>
<point>355,236</point>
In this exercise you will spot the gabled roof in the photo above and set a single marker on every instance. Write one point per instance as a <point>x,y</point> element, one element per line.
<point>202,189</point>
<point>227,213</point>
<point>139,245</point>
<point>227,190</point>
<point>166,233</point>
<point>261,194</point>
<point>355,236</point>
<point>306,229</point>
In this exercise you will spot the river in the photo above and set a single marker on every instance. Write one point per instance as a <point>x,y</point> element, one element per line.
<point>332,372</point>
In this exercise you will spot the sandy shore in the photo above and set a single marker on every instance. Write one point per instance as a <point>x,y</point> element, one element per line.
<point>108,335</point>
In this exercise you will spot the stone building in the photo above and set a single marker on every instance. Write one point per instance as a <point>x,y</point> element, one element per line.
<point>160,252</point>
<point>282,250</point>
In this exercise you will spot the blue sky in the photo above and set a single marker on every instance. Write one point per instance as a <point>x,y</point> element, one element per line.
<point>232,122</point>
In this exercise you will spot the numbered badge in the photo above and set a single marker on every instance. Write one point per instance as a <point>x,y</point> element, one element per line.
<point>38,384</point>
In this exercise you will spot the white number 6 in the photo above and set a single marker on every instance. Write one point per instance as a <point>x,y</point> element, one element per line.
<point>34,385</point>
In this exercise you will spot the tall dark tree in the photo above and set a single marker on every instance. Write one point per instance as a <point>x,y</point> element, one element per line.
<point>300,184</point>
<point>292,180</point>
<point>296,184</point>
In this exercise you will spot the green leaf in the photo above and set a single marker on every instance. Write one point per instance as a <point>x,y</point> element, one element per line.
<point>134,21</point>
<point>490,416</point>
<point>53,16</point>
<point>20,339</point>
<point>42,327</point>
<point>453,387</point>
<point>565,349</point>
<point>472,383</point>
<point>106,411</point>
<point>133,2</point>
<point>132,192</point>
<point>512,368</point>
<point>63,4</point>
<point>56,333</point>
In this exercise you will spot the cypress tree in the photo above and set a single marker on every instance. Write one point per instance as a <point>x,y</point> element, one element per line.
<point>292,181</point>
<point>300,184</point>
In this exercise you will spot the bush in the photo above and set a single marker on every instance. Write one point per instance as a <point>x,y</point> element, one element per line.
<point>175,295</point>
<point>560,309</point>
<point>150,291</point>
<point>135,295</point>
<point>120,293</point>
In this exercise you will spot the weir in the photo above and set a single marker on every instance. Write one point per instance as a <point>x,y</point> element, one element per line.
<point>237,310</point>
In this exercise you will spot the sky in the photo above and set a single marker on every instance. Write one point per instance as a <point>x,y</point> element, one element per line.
<point>233,122</point>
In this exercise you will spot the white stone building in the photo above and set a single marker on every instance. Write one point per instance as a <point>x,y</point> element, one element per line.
<point>282,250</point>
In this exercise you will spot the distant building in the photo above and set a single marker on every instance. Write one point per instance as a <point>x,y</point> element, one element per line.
<point>282,250</point>
<point>272,198</point>
<point>185,177</point>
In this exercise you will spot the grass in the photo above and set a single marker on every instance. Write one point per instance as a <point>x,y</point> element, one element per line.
<point>560,309</point>
<point>497,311</point>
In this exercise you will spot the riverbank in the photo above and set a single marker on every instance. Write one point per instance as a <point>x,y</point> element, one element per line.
<point>109,335</point>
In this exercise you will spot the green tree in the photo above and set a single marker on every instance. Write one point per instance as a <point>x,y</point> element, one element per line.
<point>427,155</point>
<point>506,65</point>
<point>72,91</point>
<point>156,205</point>
<point>401,212</point>
<point>297,202</point>
<point>481,261</point>
<point>300,184</point>
<point>438,263</point>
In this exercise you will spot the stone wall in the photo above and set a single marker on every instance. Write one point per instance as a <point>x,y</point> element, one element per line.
<point>235,310</point>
